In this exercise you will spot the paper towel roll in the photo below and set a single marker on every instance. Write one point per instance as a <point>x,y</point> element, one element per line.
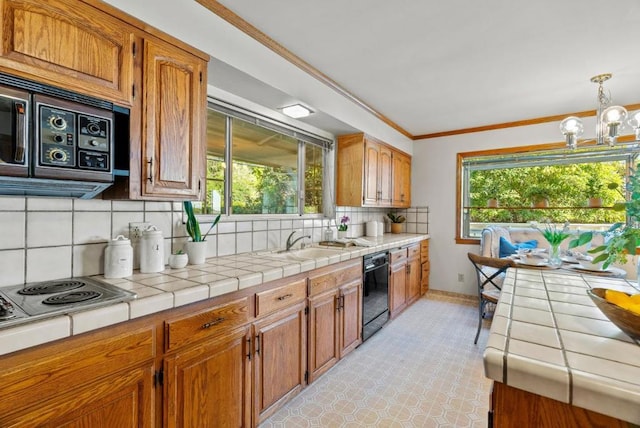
<point>372,228</point>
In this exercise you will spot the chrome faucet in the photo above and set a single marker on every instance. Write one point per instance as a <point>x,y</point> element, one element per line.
<point>291,243</point>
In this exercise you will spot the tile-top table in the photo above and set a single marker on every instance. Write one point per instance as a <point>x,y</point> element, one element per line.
<point>550,340</point>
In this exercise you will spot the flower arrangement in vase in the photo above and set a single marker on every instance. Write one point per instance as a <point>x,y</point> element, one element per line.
<point>196,248</point>
<point>554,237</point>
<point>343,226</point>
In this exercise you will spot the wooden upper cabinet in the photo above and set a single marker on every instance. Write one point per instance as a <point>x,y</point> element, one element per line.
<point>367,173</point>
<point>68,44</point>
<point>173,122</point>
<point>401,180</point>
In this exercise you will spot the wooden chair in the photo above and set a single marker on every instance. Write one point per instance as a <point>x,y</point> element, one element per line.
<point>488,277</point>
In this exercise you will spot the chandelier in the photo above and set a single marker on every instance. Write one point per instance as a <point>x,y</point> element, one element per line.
<point>610,119</point>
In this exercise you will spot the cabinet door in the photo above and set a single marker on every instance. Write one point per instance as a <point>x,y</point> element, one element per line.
<point>174,114</point>
<point>371,170</point>
<point>413,279</point>
<point>385,180</point>
<point>280,359</point>
<point>401,180</point>
<point>208,385</point>
<point>350,317</point>
<point>68,44</point>
<point>397,288</point>
<point>123,399</point>
<point>323,333</point>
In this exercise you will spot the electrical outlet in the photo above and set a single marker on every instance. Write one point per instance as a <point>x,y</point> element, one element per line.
<point>460,277</point>
<point>135,230</point>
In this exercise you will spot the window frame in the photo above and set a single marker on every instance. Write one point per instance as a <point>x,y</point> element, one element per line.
<point>462,172</point>
<point>303,138</point>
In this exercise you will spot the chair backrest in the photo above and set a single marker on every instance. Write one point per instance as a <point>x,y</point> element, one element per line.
<point>488,277</point>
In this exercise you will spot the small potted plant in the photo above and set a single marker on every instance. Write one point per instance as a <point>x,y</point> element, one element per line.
<point>178,260</point>
<point>539,197</point>
<point>343,226</point>
<point>396,222</point>
<point>594,191</point>
<point>196,248</point>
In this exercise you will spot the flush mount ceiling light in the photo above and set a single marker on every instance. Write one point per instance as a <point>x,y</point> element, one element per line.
<point>609,119</point>
<point>296,111</point>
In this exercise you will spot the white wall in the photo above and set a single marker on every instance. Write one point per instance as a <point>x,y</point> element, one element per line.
<point>434,184</point>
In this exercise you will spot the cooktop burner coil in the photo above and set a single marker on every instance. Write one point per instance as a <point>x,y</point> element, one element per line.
<point>71,297</point>
<point>51,287</point>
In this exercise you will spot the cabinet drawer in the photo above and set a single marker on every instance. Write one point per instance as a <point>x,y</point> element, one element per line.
<point>207,323</point>
<point>424,251</point>
<point>397,255</point>
<point>322,283</point>
<point>280,297</point>
<point>413,251</point>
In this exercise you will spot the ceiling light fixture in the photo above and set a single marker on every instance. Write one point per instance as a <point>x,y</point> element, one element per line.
<point>297,111</point>
<point>609,119</point>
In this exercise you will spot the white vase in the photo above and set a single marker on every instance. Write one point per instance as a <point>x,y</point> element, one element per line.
<point>342,234</point>
<point>177,261</point>
<point>197,252</point>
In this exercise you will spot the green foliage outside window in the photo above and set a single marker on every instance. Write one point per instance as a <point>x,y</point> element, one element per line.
<point>567,188</point>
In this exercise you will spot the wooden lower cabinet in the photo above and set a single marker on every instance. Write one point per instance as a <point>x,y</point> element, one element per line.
<point>397,282</point>
<point>426,266</point>
<point>350,317</point>
<point>280,359</point>
<point>404,278</point>
<point>513,407</point>
<point>100,381</point>
<point>323,333</point>
<point>413,278</point>
<point>209,384</point>
<point>335,315</point>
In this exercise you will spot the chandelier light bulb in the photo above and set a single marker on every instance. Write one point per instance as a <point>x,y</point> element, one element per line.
<point>614,115</point>
<point>634,122</point>
<point>572,125</point>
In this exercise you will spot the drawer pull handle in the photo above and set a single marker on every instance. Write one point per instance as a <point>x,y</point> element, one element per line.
<point>212,323</point>
<point>286,296</point>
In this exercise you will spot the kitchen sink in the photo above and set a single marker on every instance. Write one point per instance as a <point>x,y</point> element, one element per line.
<point>309,253</point>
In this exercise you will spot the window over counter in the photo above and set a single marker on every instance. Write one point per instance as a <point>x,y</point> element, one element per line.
<point>550,183</point>
<point>274,168</point>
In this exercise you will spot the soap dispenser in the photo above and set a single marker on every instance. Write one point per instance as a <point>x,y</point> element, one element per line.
<point>328,233</point>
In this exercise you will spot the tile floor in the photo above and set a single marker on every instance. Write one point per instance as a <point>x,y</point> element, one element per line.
<point>421,370</point>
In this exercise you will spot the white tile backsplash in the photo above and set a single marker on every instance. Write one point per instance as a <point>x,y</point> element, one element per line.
<point>88,259</point>
<point>12,265</point>
<point>49,204</point>
<point>48,263</point>
<point>91,227</point>
<point>9,203</point>
<point>52,238</point>
<point>46,229</point>
<point>12,226</point>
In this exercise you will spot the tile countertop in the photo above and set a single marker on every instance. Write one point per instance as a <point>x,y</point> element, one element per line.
<point>548,338</point>
<point>177,287</point>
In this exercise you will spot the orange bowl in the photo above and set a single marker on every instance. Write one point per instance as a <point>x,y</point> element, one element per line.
<point>626,320</point>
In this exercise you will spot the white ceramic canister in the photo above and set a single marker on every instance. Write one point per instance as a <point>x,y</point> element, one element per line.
<point>118,258</point>
<point>380,228</point>
<point>152,251</point>
<point>372,228</point>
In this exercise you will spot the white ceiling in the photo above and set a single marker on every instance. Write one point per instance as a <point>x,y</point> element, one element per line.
<point>440,66</point>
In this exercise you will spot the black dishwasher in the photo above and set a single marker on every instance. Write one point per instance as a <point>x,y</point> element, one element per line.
<point>375,302</point>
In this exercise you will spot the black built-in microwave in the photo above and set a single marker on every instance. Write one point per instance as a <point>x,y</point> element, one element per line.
<point>54,142</point>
